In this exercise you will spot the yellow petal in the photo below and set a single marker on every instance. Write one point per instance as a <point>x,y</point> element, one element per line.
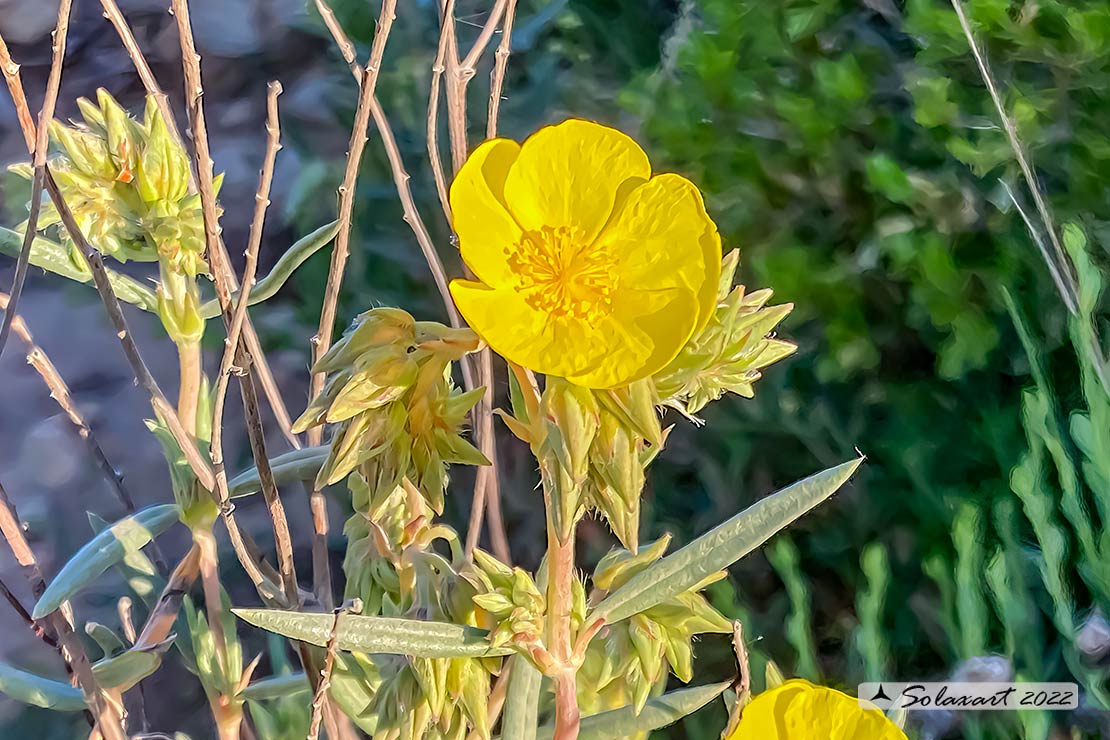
<point>643,332</point>
<point>570,174</point>
<point>799,710</point>
<point>661,237</point>
<point>484,226</point>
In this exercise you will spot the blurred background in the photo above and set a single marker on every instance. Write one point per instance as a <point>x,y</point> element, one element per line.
<point>851,151</point>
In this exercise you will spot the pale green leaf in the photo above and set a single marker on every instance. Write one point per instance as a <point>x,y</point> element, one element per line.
<point>293,466</point>
<point>103,551</point>
<point>127,669</point>
<point>658,712</point>
<point>38,691</point>
<point>522,700</point>
<point>293,258</point>
<point>723,545</point>
<point>377,634</point>
<point>53,257</point>
<point>276,687</point>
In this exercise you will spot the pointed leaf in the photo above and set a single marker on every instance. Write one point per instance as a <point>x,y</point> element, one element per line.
<point>103,551</point>
<point>38,691</point>
<point>54,257</point>
<point>377,634</point>
<point>276,687</point>
<point>127,669</point>
<point>295,465</point>
<point>723,545</point>
<point>522,700</point>
<point>658,712</point>
<point>293,258</point>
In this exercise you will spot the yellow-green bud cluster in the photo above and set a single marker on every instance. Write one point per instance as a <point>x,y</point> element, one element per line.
<point>430,698</point>
<point>127,182</point>
<point>627,660</point>
<point>728,355</point>
<point>511,599</point>
<point>398,414</point>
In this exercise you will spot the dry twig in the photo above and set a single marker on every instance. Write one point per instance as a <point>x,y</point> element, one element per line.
<point>38,153</point>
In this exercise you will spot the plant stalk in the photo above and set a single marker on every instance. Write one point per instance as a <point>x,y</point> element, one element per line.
<point>188,355</point>
<point>560,563</point>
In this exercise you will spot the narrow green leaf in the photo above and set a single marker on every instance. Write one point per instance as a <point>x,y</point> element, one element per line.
<point>723,545</point>
<point>127,669</point>
<point>522,700</point>
<point>38,691</point>
<point>293,258</point>
<point>105,638</point>
<point>53,257</point>
<point>659,712</point>
<point>103,551</point>
<point>293,466</point>
<point>136,568</point>
<point>277,687</point>
<point>377,634</point>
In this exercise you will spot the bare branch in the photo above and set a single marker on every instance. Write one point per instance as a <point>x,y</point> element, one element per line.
<point>253,346</point>
<point>367,83</point>
<point>42,143</point>
<point>108,718</point>
<point>500,64</point>
<point>447,26</point>
<point>488,29</point>
<point>320,697</point>
<point>247,556</point>
<point>95,264</point>
<point>59,391</point>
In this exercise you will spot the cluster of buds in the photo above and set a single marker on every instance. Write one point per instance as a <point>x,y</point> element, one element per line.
<point>630,659</point>
<point>398,414</point>
<point>399,421</point>
<point>511,599</point>
<point>127,183</point>
<point>730,352</point>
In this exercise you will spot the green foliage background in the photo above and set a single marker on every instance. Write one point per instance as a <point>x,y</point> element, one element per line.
<point>852,152</point>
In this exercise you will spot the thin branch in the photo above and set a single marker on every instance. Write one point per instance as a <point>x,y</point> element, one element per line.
<point>223,264</point>
<point>487,496</point>
<point>15,86</point>
<point>500,64</point>
<point>108,719</point>
<point>320,698</point>
<point>488,29</point>
<point>42,143</point>
<point>412,215</point>
<point>247,557</point>
<point>113,14</point>
<point>447,26</point>
<point>21,610</point>
<point>59,391</point>
<point>367,83</point>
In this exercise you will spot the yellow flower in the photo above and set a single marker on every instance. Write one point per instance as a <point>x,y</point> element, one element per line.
<point>589,267</point>
<point>798,710</point>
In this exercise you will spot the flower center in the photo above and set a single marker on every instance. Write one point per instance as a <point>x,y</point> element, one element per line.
<point>561,274</point>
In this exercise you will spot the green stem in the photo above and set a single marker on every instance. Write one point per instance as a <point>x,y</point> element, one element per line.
<point>188,355</point>
<point>560,563</point>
